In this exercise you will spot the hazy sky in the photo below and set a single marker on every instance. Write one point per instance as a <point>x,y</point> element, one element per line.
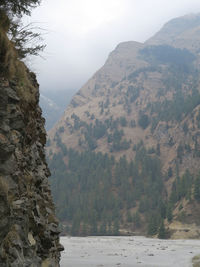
<point>82,33</point>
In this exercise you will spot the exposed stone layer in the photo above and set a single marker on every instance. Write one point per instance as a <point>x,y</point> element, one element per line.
<point>29,234</point>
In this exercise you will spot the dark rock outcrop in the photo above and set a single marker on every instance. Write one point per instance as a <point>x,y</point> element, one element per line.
<point>29,234</point>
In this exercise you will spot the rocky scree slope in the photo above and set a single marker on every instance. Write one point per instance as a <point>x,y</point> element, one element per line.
<point>144,105</point>
<point>29,234</point>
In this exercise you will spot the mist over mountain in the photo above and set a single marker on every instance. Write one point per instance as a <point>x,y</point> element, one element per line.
<point>53,105</point>
<point>125,155</point>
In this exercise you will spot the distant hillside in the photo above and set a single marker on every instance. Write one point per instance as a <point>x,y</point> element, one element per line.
<point>53,104</point>
<point>125,155</point>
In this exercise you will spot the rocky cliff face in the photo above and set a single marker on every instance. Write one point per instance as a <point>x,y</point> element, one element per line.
<point>29,234</point>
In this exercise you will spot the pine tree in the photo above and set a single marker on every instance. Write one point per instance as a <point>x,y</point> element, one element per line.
<point>84,229</point>
<point>162,210</point>
<point>75,227</point>
<point>136,219</point>
<point>197,189</point>
<point>162,231</point>
<point>129,217</point>
<point>102,230</point>
<point>158,149</point>
<point>169,212</point>
<point>170,172</point>
<point>152,225</point>
<point>116,227</point>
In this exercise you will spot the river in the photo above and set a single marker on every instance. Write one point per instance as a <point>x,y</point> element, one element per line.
<point>127,252</point>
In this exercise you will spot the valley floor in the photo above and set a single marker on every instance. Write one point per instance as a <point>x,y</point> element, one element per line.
<point>127,252</point>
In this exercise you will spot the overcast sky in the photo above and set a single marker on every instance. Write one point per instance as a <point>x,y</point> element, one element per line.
<point>82,33</point>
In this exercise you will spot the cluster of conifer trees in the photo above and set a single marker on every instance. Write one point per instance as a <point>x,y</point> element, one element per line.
<point>103,194</point>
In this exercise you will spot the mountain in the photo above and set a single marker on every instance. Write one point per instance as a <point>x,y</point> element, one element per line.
<point>125,155</point>
<point>53,105</point>
<point>29,234</point>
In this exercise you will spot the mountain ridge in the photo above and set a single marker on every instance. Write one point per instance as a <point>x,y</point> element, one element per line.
<point>141,108</point>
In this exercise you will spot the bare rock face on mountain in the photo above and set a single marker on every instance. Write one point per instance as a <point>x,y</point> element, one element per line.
<point>142,107</point>
<point>29,234</point>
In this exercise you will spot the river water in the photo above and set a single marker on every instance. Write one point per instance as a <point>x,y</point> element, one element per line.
<point>127,252</point>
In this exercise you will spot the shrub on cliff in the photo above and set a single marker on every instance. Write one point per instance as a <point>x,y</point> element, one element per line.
<point>21,36</point>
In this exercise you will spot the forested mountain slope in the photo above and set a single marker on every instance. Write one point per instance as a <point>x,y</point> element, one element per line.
<point>125,155</point>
